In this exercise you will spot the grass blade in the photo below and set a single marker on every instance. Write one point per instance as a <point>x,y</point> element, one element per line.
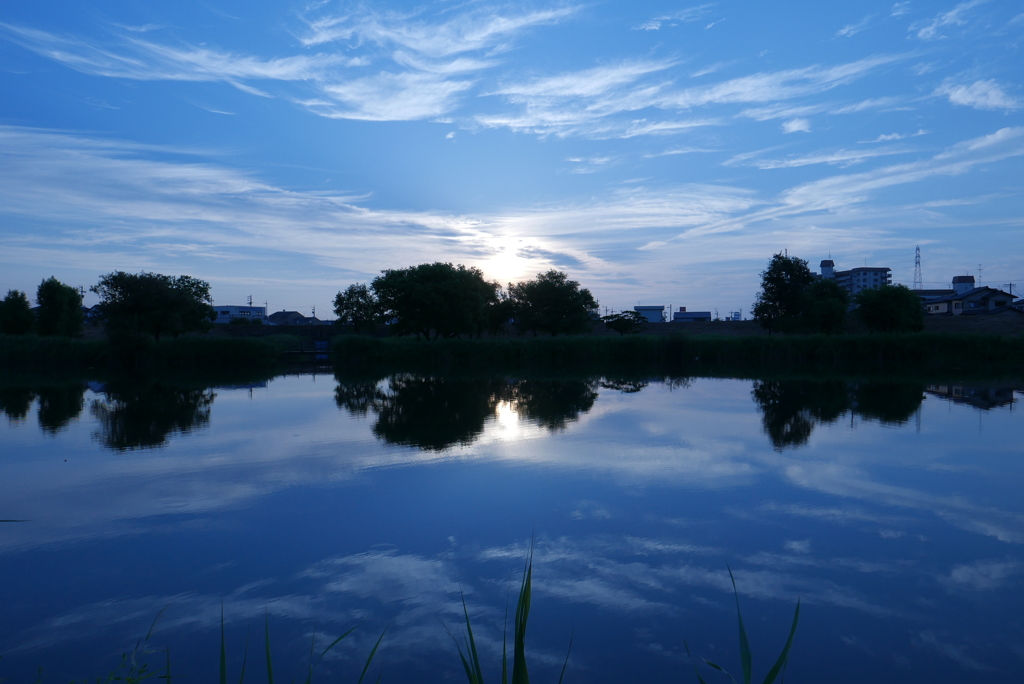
<point>333,644</point>
<point>700,680</point>
<point>745,658</point>
<point>270,664</point>
<point>474,656</point>
<point>245,657</point>
<point>312,645</point>
<point>223,649</point>
<point>167,673</point>
<point>372,653</point>
<point>465,663</point>
<point>504,635</point>
<point>784,656</point>
<point>566,663</point>
<point>520,675</point>
<point>156,620</point>
<point>719,668</point>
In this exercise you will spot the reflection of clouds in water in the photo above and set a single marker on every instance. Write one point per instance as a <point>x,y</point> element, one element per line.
<point>984,574</point>
<point>412,591</point>
<point>957,653</point>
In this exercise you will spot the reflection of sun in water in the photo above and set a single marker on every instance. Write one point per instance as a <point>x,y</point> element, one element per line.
<point>506,422</point>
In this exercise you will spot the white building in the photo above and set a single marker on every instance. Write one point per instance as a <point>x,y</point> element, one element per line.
<point>857,279</point>
<point>225,314</point>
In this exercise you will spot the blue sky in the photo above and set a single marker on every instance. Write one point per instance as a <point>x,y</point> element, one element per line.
<point>658,152</point>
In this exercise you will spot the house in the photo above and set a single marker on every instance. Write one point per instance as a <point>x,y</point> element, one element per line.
<point>970,301</point>
<point>690,316</point>
<point>653,314</point>
<point>225,314</point>
<point>292,318</point>
<point>857,279</point>
<point>1019,305</point>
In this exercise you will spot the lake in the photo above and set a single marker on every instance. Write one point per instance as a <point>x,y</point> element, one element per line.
<point>892,511</point>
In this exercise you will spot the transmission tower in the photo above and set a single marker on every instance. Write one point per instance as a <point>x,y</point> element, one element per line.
<point>917,268</point>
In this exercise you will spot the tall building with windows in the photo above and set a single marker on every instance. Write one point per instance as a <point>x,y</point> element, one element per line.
<point>857,279</point>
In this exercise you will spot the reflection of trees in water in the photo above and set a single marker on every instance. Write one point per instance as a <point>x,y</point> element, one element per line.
<point>435,413</point>
<point>15,402</point>
<point>791,408</point>
<point>552,403</point>
<point>626,386</point>
<point>136,416</point>
<point>58,406</point>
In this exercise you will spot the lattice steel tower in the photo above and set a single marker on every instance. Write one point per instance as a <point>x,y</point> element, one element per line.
<point>917,268</point>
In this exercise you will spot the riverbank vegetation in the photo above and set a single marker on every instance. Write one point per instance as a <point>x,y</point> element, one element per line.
<point>188,354</point>
<point>889,354</point>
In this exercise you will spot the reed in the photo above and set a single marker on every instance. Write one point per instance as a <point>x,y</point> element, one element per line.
<point>21,353</point>
<point>470,657</point>
<point>988,355</point>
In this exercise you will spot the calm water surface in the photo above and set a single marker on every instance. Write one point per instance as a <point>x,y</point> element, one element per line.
<point>893,511</point>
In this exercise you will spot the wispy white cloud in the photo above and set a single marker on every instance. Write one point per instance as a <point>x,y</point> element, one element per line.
<point>980,95</point>
<point>474,30</point>
<point>796,126</point>
<point>853,29</point>
<point>590,102</point>
<point>429,63</point>
<point>841,158</point>
<point>673,19</point>
<point>899,9</point>
<point>930,29</point>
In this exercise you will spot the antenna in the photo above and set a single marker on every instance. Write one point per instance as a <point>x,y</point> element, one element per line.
<point>917,268</point>
<point>250,300</point>
<point>314,312</point>
<point>979,275</point>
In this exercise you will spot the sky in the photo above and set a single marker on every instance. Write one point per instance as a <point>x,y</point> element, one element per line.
<point>659,153</point>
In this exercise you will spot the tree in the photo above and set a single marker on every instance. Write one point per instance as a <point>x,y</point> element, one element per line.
<point>782,284</point>
<point>823,307</point>
<point>438,298</point>
<point>553,304</point>
<point>15,314</point>
<point>357,306</point>
<point>137,304</point>
<point>60,309</point>
<point>625,322</point>
<point>890,308</point>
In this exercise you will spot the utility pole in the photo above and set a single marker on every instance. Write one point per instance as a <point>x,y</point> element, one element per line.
<point>979,275</point>
<point>917,268</point>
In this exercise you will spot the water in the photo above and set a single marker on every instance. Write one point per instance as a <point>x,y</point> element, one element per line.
<point>892,511</point>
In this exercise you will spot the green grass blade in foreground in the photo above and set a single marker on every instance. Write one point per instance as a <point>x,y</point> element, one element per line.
<point>223,649</point>
<point>700,680</point>
<point>520,675</point>
<point>784,656</point>
<point>369,659</point>
<point>745,658</point>
<point>270,664</point>
<point>245,658</point>
<point>566,663</point>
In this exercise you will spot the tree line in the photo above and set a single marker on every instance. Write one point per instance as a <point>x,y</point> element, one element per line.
<point>132,306</point>
<point>443,300</point>
<point>793,299</point>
